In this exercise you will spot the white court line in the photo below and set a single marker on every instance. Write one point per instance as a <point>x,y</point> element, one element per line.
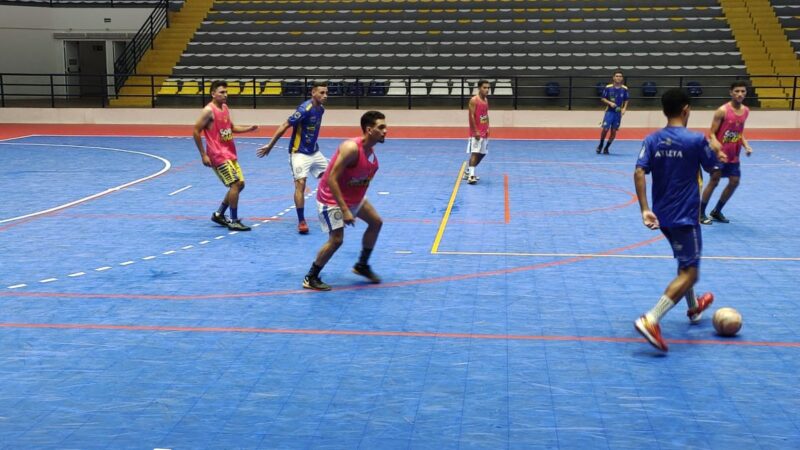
<point>127,263</point>
<point>102,269</point>
<point>168,252</point>
<point>17,286</point>
<point>166,167</point>
<point>148,258</point>
<point>187,247</point>
<point>602,255</point>
<point>77,274</point>
<point>48,280</point>
<point>204,242</point>
<point>180,190</point>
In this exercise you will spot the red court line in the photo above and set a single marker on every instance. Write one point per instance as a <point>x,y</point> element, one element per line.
<point>366,333</point>
<point>16,130</point>
<point>505,191</point>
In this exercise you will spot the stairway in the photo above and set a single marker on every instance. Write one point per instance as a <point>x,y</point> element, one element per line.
<point>168,46</point>
<point>768,55</point>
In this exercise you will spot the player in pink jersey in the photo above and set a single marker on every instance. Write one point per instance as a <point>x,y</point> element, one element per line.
<point>727,130</point>
<point>342,197</point>
<point>478,129</point>
<point>220,152</point>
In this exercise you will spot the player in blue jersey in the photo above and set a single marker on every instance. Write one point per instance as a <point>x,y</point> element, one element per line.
<point>674,157</point>
<point>304,156</point>
<point>615,97</point>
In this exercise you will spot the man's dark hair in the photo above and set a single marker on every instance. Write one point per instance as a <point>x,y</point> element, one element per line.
<point>319,83</point>
<point>739,83</point>
<point>673,101</point>
<point>370,118</point>
<point>617,72</point>
<point>482,82</point>
<point>217,83</point>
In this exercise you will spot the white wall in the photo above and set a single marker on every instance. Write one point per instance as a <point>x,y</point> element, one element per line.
<point>28,33</point>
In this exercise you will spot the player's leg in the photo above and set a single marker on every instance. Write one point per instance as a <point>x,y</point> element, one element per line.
<point>479,148</point>
<point>233,201</point>
<point>611,138</point>
<point>300,205</point>
<point>368,214</point>
<point>603,134</point>
<point>331,221</point>
<point>716,213</point>
<point>231,175</point>
<point>713,182</point>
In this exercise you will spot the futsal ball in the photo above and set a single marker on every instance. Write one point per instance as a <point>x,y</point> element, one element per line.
<point>727,321</point>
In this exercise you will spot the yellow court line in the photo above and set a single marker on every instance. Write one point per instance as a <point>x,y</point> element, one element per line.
<point>446,217</point>
<point>605,255</point>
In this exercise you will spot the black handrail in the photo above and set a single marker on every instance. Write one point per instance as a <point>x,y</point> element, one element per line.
<point>126,63</point>
<point>527,90</point>
<point>82,3</point>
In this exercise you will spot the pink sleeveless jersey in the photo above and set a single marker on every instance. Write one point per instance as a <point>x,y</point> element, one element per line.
<point>353,181</point>
<point>219,136</point>
<point>481,118</point>
<point>730,132</point>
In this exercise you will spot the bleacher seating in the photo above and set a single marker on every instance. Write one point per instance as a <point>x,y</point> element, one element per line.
<point>788,12</point>
<point>430,43</point>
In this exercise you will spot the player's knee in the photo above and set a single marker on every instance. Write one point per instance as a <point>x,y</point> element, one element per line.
<point>240,185</point>
<point>715,177</point>
<point>335,240</point>
<point>376,224</point>
<point>733,182</point>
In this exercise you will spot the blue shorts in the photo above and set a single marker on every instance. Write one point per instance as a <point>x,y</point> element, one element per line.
<point>687,244</point>
<point>730,170</point>
<point>612,119</point>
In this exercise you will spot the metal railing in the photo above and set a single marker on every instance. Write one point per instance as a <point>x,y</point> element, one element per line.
<point>401,91</point>
<point>141,42</point>
<point>84,3</point>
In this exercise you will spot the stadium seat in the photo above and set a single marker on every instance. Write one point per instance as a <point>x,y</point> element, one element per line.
<point>552,89</point>
<point>293,88</point>
<point>694,88</point>
<point>377,88</point>
<point>600,87</point>
<point>649,89</point>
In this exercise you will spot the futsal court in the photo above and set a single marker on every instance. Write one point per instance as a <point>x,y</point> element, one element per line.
<point>505,319</point>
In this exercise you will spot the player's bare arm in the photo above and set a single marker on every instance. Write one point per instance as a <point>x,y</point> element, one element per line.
<point>206,117</point>
<point>648,217</point>
<point>348,157</point>
<point>472,125</point>
<point>243,128</point>
<point>747,149</point>
<point>263,151</point>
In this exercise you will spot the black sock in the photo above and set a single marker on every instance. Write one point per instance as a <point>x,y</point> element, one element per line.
<point>365,252</point>
<point>222,208</point>
<point>301,214</point>
<point>703,206</point>
<point>234,214</point>
<point>314,270</point>
<point>608,144</point>
<point>720,205</point>
<point>601,143</point>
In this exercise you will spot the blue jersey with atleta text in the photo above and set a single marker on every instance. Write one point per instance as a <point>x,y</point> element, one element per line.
<point>618,95</point>
<point>305,124</point>
<point>674,156</point>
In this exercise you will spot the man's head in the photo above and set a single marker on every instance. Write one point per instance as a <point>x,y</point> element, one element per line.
<point>219,91</point>
<point>483,88</point>
<point>319,92</point>
<point>373,124</point>
<point>738,91</point>
<point>676,104</point>
<point>617,77</point>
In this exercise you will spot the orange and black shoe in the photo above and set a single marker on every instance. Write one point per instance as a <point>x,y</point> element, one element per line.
<point>366,271</point>
<point>651,331</point>
<point>302,227</point>
<point>703,302</point>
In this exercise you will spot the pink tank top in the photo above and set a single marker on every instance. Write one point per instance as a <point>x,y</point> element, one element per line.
<point>481,118</point>
<point>219,136</point>
<point>353,181</point>
<point>730,132</point>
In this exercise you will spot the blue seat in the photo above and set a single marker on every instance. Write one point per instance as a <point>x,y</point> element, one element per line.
<point>377,88</point>
<point>600,87</point>
<point>335,88</point>
<point>552,89</point>
<point>355,88</point>
<point>649,89</point>
<point>293,88</point>
<point>694,88</point>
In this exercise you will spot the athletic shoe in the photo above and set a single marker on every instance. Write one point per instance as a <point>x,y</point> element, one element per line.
<point>651,332</point>
<point>605,151</point>
<point>717,215</point>
<point>472,179</point>
<point>465,176</point>
<point>219,219</point>
<point>705,220</point>
<point>237,225</point>
<point>366,271</point>
<point>302,227</point>
<point>599,149</point>
<point>703,302</point>
<point>315,283</point>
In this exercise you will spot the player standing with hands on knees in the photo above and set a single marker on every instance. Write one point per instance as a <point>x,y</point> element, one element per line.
<point>674,157</point>
<point>220,152</point>
<point>615,97</point>
<point>341,198</point>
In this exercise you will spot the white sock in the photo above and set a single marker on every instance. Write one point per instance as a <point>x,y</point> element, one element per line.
<point>691,299</point>
<point>471,171</point>
<point>664,304</point>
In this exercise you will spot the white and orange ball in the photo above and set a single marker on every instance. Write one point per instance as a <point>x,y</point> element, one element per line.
<point>727,321</point>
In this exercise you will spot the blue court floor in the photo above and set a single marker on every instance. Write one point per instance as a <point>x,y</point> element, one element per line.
<point>505,320</point>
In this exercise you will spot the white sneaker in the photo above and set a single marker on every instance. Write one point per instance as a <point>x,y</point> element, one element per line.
<point>472,179</point>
